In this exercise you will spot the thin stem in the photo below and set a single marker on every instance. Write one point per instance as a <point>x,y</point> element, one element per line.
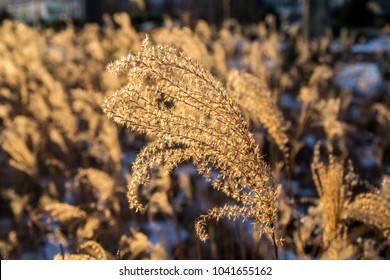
<point>62,252</point>
<point>275,246</point>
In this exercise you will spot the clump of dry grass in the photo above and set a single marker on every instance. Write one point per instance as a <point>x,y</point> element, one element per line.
<point>100,182</point>
<point>187,41</point>
<point>63,212</point>
<point>310,93</point>
<point>189,115</point>
<point>138,246</point>
<point>21,142</point>
<point>63,162</point>
<point>329,111</point>
<point>21,157</point>
<point>258,104</point>
<point>89,250</point>
<point>338,205</point>
<point>328,179</point>
<point>372,208</point>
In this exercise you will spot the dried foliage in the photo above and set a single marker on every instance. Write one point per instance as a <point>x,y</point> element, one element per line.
<point>63,212</point>
<point>258,104</point>
<point>188,113</point>
<point>334,187</point>
<point>89,250</point>
<point>242,106</point>
<point>185,40</point>
<point>328,179</point>
<point>138,246</point>
<point>100,182</point>
<point>371,209</point>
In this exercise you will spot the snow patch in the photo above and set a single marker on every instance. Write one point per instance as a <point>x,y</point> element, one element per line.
<point>363,78</point>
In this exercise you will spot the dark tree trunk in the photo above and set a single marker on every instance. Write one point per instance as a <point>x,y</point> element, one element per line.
<point>315,18</point>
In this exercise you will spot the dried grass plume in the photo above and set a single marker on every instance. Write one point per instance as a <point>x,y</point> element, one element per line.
<point>189,115</point>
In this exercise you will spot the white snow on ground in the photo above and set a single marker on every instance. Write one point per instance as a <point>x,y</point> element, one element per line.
<point>367,156</point>
<point>379,44</point>
<point>376,45</point>
<point>363,78</point>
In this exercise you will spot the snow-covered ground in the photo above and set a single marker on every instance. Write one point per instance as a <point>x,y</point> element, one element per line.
<point>364,79</point>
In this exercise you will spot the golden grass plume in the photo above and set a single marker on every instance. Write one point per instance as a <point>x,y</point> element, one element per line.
<point>190,116</point>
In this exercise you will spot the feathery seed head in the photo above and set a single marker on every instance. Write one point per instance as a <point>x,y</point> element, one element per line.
<point>175,101</point>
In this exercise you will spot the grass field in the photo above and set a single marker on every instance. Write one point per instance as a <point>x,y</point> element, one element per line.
<point>239,142</point>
